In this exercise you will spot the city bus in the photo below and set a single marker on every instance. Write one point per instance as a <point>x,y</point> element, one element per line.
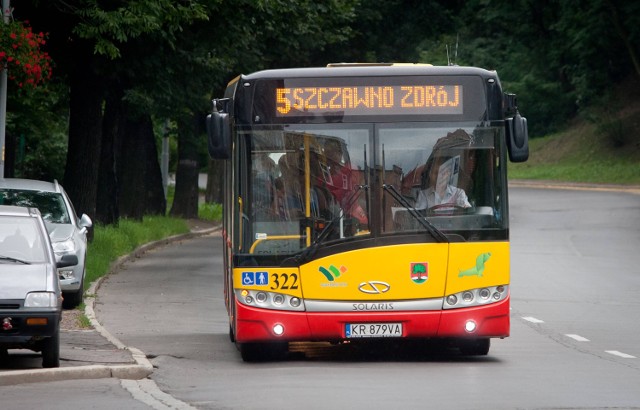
<point>364,202</point>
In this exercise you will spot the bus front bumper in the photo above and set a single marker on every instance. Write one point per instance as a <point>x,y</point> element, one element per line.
<point>264,325</point>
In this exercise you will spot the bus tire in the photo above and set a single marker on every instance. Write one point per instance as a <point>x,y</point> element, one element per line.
<point>232,335</point>
<point>262,352</point>
<point>474,347</point>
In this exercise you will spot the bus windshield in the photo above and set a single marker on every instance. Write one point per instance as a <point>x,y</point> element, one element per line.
<point>331,183</point>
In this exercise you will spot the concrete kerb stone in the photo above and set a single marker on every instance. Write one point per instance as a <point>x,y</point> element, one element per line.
<point>545,184</point>
<point>143,367</point>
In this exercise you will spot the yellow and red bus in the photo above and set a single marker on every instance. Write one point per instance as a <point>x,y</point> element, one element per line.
<point>365,202</point>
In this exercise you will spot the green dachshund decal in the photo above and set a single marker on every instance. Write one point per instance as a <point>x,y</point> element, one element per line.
<point>479,268</point>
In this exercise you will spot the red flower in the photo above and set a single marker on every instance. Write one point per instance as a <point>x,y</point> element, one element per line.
<point>20,46</point>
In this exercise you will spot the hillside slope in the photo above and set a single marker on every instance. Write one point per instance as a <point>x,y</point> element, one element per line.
<point>601,146</point>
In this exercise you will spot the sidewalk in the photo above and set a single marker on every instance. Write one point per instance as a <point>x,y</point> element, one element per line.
<point>92,353</point>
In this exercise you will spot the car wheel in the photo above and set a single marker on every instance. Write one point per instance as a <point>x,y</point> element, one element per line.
<point>51,351</point>
<point>73,299</point>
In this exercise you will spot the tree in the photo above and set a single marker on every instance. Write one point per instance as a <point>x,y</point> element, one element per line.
<point>255,35</point>
<point>88,49</point>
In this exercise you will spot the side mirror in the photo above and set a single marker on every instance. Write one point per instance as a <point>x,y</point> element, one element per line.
<point>517,138</point>
<point>85,223</point>
<point>219,135</point>
<point>67,260</point>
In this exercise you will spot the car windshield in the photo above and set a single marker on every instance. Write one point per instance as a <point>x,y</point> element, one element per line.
<point>21,240</point>
<point>50,204</point>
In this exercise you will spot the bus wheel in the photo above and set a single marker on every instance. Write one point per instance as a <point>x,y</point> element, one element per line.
<point>232,335</point>
<point>262,352</point>
<point>474,347</point>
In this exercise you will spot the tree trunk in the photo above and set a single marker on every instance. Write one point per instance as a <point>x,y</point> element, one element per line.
<point>107,211</point>
<point>214,192</point>
<point>85,135</point>
<point>185,201</point>
<point>9,155</point>
<point>138,171</point>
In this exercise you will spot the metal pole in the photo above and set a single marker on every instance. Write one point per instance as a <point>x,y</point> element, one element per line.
<point>164,163</point>
<point>6,13</point>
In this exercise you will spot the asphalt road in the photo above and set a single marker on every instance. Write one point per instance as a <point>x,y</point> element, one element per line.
<point>575,340</point>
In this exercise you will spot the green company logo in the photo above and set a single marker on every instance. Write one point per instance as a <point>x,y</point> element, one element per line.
<point>478,269</point>
<point>332,273</point>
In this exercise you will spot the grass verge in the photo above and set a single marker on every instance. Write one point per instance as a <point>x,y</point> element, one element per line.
<point>113,241</point>
<point>599,147</point>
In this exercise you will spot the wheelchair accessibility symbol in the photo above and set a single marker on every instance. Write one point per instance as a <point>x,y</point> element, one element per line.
<point>255,278</point>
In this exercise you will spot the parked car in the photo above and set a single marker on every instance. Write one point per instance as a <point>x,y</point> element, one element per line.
<point>30,295</point>
<point>68,233</point>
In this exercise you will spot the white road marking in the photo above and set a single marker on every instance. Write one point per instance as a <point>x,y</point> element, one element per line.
<point>533,319</point>
<point>577,337</point>
<point>147,392</point>
<point>620,354</point>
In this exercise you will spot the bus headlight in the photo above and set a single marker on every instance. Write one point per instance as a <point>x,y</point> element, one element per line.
<point>484,293</point>
<point>476,297</point>
<point>269,300</point>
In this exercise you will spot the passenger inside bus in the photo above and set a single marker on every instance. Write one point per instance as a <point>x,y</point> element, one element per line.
<point>264,174</point>
<point>341,181</point>
<point>289,202</point>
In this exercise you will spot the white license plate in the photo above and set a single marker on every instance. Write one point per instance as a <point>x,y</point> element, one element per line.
<point>355,330</point>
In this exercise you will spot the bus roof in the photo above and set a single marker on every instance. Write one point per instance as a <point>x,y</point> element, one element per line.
<point>367,70</point>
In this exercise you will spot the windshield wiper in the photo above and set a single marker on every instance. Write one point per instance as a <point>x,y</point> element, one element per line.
<point>9,258</point>
<point>433,231</point>
<point>307,253</point>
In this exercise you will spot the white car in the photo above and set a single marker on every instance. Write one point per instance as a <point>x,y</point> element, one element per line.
<point>30,296</point>
<point>68,233</point>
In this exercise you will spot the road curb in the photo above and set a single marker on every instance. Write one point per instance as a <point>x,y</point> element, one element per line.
<point>583,186</point>
<point>143,367</point>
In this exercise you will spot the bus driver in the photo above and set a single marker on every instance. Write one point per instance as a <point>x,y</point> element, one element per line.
<point>441,191</point>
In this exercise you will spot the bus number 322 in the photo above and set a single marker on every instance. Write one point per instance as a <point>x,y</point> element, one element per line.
<point>284,281</point>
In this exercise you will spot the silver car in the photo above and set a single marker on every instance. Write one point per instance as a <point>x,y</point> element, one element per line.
<point>68,233</point>
<point>30,296</point>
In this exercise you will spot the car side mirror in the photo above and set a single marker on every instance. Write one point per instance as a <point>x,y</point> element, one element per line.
<point>85,223</point>
<point>67,260</point>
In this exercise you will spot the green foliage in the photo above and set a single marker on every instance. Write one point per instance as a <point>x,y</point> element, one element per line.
<point>210,212</point>
<point>171,57</point>
<point>110,28</point>
<point>111,242</point>
<point>37,122</point>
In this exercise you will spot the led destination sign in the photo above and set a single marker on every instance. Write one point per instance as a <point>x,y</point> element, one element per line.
<point>369,100</point>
